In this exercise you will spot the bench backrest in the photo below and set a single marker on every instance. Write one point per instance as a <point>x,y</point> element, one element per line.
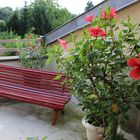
<point>33,78</point>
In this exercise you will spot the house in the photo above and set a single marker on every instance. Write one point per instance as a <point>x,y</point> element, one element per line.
<point>124,8</point>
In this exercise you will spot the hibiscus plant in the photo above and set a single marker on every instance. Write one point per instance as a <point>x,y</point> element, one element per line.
<point>97,69</point>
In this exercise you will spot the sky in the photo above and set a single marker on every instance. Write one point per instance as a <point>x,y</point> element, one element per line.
<point>74,6</point>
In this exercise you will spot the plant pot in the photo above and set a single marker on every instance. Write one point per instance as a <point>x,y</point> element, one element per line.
<point>93,132</point>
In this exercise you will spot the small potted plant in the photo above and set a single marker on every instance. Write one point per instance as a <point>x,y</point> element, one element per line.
<point>98,72</point>
<point>32,55</point>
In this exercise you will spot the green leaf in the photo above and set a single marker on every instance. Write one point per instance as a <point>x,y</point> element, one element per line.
<point>117,51</point>
<point>58,77</point>
<point>50,60</point>
<point>99,46</point>
<point>125,30</point>
<point>98,72</point>
<point>120,35</point>
<point>79,43</point>
<point>44,138</point>
<point>138,49</point>
<point>116,28</point>
<point>32,138</point>
<point>91,56</point>
<point>119,61</point>
<point>107,9</point>
<point>138,88</point>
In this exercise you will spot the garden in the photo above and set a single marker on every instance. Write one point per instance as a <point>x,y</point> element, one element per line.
<point>102,70</point>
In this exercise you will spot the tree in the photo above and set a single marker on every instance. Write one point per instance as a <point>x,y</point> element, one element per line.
<point>42,15</point>
<point>13,23</point>
<point>46,15</point>
<point>89,5</point>
<point>39,17</point>
<point>24,20</point>
<point>60,16</point>
<point>3,26</point>
<point>5,13</point>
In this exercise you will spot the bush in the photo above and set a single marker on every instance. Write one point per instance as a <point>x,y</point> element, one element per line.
<point>30,54</point>
<point>9,35</point>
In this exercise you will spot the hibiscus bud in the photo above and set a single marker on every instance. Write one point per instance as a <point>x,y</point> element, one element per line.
<point>89,18</point>
<point>29,36</point>
<point>63,43</point>
<point>114,108</point>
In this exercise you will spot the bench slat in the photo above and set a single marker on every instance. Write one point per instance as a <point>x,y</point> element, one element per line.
<point>46,85</point>
<point>44,82</point>
<point>29,70</point>
<point>36,92</point>
<point>55,93</point>
<point>30,100</point>
<point>32,96</point>
<point>30,76</point>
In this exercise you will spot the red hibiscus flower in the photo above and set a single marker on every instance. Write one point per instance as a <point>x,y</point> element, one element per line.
<point>135,64</point>
<point>89,18</point>
<point>112,14</point>
<point>103,14</point>
<point>63,43</point>
<point>96,32</point>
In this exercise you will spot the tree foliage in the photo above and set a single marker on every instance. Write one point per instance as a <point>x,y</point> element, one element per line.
<point>42,15</point>
<point>5,13</point>
<point>60,16</point>
<point>89,5</point>
<point>3,25</point>
<point>24,20</point>
<point>13,23</point>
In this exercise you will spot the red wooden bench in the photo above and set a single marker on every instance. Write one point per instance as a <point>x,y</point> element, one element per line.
<point>34,86</point>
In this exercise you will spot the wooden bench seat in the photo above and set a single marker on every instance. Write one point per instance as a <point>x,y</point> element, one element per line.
<point>34,86</point>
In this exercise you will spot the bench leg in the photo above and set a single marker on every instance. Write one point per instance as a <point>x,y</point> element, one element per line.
<point>54,117</point>
<point>62,112</point>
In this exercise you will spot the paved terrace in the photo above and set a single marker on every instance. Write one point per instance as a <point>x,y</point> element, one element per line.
<point>19,121</point>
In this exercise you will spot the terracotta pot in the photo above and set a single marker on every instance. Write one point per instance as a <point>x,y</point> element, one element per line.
<point>93,132</point>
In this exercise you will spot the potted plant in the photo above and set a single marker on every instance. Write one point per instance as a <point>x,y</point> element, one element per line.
<point>32,55</point>
<point>98,72</point>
